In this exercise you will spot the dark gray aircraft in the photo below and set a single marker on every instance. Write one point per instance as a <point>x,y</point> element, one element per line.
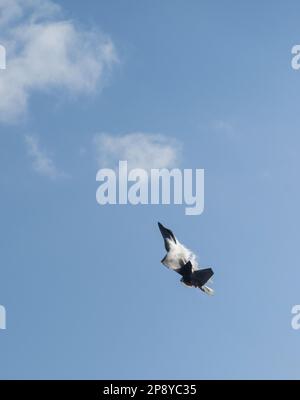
<point>183,261</point>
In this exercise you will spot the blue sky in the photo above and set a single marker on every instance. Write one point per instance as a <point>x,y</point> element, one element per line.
<point>82,284</point>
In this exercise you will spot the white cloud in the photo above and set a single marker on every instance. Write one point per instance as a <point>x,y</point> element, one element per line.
<point>46,52</point>
<point>41,162</point>
<point>140,150</point>
<point>221,124</point>
<point>225,127</point>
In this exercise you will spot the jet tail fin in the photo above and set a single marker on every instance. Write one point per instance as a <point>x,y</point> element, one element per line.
<point>186,269</point>
<point>203,275</point>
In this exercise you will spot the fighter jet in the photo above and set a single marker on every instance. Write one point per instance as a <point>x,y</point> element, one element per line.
<point>183,261</point>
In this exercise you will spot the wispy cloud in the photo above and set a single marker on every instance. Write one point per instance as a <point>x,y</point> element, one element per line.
<point>221,124</point>
<point>225,127</point>
<point>140,150</point>
<point>41,162</point>
<point>46,52</point>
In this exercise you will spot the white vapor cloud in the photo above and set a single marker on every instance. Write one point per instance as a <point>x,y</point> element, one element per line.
<point>41,162</point>
<point>47,52</point>
<point>140,150</point>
